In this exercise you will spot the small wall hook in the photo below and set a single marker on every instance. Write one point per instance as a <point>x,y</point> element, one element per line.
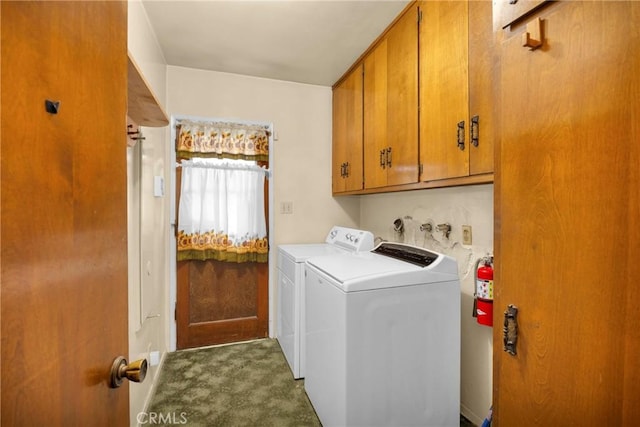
<point>51,107</point>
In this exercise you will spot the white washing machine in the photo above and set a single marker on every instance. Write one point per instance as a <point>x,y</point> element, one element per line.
<point>290,287</point>
<point>383,338</point>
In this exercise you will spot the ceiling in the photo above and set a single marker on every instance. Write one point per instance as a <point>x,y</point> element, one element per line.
<point>305,41</point>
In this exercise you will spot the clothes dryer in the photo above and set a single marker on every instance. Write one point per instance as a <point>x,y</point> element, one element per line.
<point>291,292</point>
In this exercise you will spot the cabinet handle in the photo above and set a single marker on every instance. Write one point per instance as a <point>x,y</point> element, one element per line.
<point>346,170</point>
<point>343,170</point>
<point>389,157</point>
<point>383,162</point>
<point>461,135</point>
<point>510,330</point>
<point>475,130</point>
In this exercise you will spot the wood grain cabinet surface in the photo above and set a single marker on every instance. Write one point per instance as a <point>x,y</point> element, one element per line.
<point>456,89</point>
<point>347,133</point>
<point>431,73</point>
<point>390,106</point>
<point>567,197</point>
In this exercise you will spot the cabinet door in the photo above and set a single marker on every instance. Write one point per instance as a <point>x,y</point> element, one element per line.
<point>375,116</point>
<point>483,67</point>
<point>444,99</point>
<point>347,133</point>
<point>567,206</point>
<point>510,11</point>
<point>402,99</point>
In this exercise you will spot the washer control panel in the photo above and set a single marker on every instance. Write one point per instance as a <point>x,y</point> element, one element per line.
<point>350,238</point>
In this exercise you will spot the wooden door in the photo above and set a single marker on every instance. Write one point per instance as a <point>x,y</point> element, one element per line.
<point>64,212</point>
<point>402,99</point>
<point>567,207</point>
<point>375,116</point>
<point>444,99</point>
<point>221,302</point>
<point>347,133</point>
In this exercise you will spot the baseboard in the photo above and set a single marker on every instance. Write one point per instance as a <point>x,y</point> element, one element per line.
<point>152,389</point>
<point>474,418</point>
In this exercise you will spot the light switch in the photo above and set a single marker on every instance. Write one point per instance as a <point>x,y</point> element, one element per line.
<point>158,186</point>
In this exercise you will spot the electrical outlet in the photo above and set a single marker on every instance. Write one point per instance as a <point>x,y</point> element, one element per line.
<point>466,235</point>
<point>286,208</point>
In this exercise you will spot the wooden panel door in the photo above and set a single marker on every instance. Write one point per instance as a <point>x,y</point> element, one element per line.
<point>567,207</point>
<point>444,97</point>
<point>64,212</point>
<point>402,99</point>
<point>347,133</point>
<point>221,302</point>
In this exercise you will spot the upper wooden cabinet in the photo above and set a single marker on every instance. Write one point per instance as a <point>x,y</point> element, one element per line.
<point>390,105</point>
<point>428,101</point>
<point>347,133</point>
<point>456,91</point>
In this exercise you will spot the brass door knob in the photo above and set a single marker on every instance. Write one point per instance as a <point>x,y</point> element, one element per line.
<point>134,371</point>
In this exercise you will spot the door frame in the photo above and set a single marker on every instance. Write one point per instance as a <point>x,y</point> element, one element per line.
<point>173,220</point>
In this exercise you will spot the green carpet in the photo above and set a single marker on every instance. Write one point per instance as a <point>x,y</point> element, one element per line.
<point>246,384</point>
<point>239,385</point>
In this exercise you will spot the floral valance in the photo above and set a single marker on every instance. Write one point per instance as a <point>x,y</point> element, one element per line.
<point>222,140</point>
<point>220,247</point>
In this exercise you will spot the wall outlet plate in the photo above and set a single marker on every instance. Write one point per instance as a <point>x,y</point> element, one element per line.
<point>286,208</point>
<point>466,235</point>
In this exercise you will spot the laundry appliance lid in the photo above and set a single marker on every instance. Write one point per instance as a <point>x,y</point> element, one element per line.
<point>301,252</point>
<point>357,271</point>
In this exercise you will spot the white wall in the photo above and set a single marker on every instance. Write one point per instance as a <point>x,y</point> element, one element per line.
<point>457,206</point>
<point>301,166</point>
<point>149,313</point>
<point>301,116</point>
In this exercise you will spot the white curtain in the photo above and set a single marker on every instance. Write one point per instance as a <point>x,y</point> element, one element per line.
<point>221,211</point>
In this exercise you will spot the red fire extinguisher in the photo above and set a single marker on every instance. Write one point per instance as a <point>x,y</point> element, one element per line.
<point>483,296</point>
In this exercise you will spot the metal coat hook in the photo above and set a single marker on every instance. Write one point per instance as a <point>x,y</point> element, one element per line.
<point>136,132</point>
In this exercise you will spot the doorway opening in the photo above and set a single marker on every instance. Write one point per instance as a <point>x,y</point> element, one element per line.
<point>219,296</point>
